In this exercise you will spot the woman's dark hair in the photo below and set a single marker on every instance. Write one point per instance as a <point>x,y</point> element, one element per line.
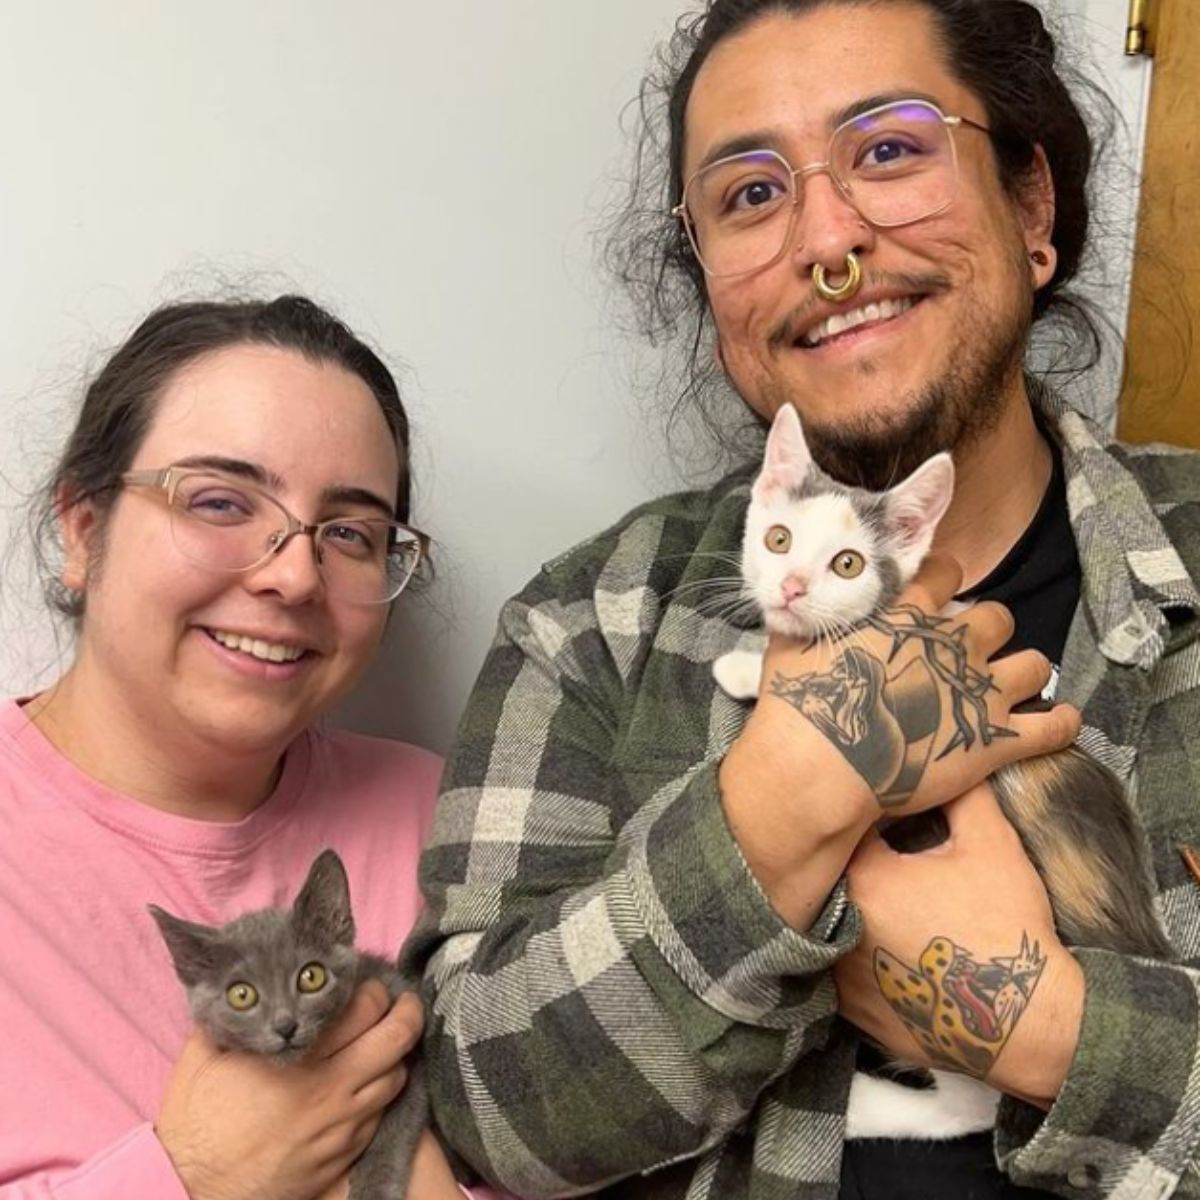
<point>1000,49</point>
<point>119,404</point>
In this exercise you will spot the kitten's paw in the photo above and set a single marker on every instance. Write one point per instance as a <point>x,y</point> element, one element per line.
<point>739,673</point>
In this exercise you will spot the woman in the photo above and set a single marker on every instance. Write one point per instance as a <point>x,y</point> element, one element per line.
<point>231,514</point>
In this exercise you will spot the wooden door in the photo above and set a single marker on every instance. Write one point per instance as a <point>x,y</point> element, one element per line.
<point>1160,400</point>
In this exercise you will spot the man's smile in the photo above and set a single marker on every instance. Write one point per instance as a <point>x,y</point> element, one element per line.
<point>875,313</point>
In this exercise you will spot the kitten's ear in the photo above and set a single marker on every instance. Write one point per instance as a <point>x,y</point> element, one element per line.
<point>322,909</point>
<point>914,508</point>
<point>196,950</point>
<point>787,459</point>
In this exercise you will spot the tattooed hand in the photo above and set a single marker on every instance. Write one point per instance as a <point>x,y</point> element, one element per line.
<point>900,716</point>
<point>959,966</point>
<point>912,701</point>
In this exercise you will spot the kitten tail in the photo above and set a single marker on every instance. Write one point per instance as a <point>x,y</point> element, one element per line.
<point>1076,825</point>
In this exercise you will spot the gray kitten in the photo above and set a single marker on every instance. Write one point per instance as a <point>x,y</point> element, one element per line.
<point>271,982</point>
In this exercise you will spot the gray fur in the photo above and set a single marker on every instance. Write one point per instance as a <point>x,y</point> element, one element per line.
<point>269,949</point>
<point>873,514</point>
<point>816,483</point>
<point>891,582</point>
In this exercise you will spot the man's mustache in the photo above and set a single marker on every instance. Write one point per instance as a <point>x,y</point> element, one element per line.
<point>790,327</point>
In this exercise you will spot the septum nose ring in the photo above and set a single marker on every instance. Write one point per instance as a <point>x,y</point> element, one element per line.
<point>845,291</point>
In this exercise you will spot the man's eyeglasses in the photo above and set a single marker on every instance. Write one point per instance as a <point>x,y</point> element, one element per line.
<point>224,524</point>
<point>895,164</point>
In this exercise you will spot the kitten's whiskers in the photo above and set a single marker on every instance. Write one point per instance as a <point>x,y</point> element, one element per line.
<point>730,558</point>
<point>713,581</point>
<point>729,609</point>
<point>832,631</point>
<point>728,596</point>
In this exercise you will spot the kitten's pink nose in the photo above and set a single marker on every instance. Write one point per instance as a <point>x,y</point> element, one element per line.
<point>794,587</point>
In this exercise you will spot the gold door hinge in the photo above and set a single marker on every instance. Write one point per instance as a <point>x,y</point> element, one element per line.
<point>1139,35</point>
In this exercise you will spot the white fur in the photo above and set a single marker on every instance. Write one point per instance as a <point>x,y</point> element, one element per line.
<point>914,508</point>
<point>739,673</point>
<point>786,458</point>
<point>822,528</point>
<point>958,1105</point>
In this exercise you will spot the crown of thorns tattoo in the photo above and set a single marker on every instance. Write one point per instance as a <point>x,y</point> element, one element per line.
<point>884,721</point>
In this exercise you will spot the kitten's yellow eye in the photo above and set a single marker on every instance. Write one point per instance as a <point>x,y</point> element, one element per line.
<point>312,978</point>
<point>241,996</point>
<point>778,539</point>
<point>849,564</point>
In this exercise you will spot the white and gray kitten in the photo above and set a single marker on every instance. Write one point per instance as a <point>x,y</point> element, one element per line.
<point>270,982</point>
<point>819,557</point>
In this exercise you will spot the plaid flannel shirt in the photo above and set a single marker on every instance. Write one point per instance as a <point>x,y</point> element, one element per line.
<point>613,1000</point>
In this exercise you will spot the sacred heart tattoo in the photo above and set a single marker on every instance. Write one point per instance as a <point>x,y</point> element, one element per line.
<point>884,720</point>
<point>961,1011</point>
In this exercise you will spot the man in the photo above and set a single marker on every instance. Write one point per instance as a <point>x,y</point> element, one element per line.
<point>654,912</point>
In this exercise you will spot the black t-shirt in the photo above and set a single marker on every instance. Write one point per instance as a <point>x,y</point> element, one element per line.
<point>1039,582</point>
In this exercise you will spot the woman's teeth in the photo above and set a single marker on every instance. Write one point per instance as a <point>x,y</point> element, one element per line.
<point>884,310</point>
<point>266,651</point>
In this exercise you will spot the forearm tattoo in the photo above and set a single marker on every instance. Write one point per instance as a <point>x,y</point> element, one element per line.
<point>884,719</point>
<point>960,1009</point>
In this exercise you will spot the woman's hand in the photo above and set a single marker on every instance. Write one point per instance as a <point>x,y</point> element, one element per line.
<point>431,1177</point>
<point>239,1127</point>
<point>959,965</point>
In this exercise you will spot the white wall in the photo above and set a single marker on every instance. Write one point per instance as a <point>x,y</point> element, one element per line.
<point>433,170</point>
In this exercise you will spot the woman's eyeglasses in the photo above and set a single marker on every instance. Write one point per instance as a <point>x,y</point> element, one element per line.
<point>224,524</point>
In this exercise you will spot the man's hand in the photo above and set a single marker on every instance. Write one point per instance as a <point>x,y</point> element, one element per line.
<point>239,1127</point>
<point>899,716</point>
<point>959,965</point>
<point>914,703</point>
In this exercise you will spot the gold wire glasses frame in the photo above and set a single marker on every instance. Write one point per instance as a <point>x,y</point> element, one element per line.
<point>225,524</point>
<point>894,164</point>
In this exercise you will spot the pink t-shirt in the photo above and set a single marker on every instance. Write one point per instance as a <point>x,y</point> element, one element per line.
<point>92,1016</point>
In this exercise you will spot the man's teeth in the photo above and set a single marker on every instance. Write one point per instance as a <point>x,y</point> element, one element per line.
<point>267,651</point>
<point>885,310</point>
